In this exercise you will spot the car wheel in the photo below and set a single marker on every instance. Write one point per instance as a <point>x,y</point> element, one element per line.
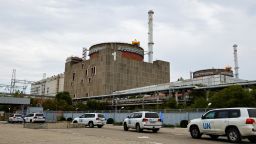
<point>74,121</point>
<point>138,129</point>
<point>195,132</point>
<point>30,121</point>
<point>155,130</point>
<point>99,126</point>
<point>214,136</point>
<point>91,124</point>
<point>233,135</point>
<point>125,127</point>
<point>252,139</point>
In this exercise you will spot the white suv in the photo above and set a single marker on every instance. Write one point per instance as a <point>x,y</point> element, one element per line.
<point>15,118</point>
<point>91,120</point>
<point>143,120</point>
<point>235,123</point>
<point>34,117</point>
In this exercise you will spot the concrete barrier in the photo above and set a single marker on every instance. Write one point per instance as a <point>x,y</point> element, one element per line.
<point>61,125</point>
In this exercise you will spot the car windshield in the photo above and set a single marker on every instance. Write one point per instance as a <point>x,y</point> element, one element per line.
<point>39,115</point>
<point>18,115</point>
<point>151,115</point>
<point>252,113</point>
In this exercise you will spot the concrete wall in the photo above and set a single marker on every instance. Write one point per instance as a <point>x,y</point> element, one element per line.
<point>172,118</point>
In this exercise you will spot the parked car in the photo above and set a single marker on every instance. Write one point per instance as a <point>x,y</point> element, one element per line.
<point>91,120</point>
<point>15,118</point>
<point>34,117</point>
<point>235,123</point>
<point>143,120</point>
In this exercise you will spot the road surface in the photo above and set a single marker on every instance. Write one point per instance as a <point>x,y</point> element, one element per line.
<point>16,134</point>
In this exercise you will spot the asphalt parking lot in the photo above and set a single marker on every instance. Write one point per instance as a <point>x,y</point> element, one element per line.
<point>16,134</point>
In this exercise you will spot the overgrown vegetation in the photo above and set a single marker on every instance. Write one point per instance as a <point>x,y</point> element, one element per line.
<point>234,96</point>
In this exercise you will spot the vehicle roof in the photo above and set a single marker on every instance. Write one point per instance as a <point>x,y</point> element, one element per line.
<point>233,108</point>
<point>144,112</point>
<point>92,113</point>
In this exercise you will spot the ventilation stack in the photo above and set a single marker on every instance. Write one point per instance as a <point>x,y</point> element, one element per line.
<point>236,61</point>
<point>150,36</point>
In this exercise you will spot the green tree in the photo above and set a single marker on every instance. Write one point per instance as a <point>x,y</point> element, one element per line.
<point>80,106</point>
<point>253,92</point>
<point>234,96</point>
<point>96,105</point>
<point>171,103</point>
<point>49,104</point>
<point>200,102</point>
<point>18,94</point>
<point>63,96</point>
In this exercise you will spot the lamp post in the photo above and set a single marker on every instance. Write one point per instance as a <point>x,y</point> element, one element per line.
<point>209,104</point>
<point>121,109</point>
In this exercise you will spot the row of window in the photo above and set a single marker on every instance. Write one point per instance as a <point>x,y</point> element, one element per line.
<point>147,115</point>
<point>93,72</point>
<point>219,114</point>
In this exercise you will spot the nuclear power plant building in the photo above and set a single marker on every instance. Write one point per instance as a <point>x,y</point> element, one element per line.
<point>112,67</point>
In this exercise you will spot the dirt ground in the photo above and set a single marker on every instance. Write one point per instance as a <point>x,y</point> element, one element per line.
<point>16,134</point>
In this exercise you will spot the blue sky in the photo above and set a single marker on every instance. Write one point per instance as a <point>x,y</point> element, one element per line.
<point>38,35</point>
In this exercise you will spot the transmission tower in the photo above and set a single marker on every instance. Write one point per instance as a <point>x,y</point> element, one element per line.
<point>12,89</point>
<point>14,81</point>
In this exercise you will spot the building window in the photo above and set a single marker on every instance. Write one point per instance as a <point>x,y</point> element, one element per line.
<point>93,70</point>
<point>86,72</point>
<point>74,75</point>
<point>82,66</point>
<point>89,80</point>
<point>86,95</point>
<point>47,91</point>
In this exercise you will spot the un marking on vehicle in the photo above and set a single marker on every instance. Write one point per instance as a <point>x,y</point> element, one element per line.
<point>206,125</point>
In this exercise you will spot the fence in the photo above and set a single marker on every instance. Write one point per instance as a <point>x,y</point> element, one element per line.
<point>169,117</point>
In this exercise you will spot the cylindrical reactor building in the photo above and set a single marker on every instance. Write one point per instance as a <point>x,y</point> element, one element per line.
<point>130,51</point>
<point>210,72</point>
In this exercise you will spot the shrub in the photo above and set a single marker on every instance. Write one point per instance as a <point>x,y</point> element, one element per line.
<point>184,123</point>
<point>61,118</point>
<point>69,119</point>
<point>110,121</point>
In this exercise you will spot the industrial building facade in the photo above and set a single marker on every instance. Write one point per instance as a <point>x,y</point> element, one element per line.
<point>48,86</point>
<point>112,67</point>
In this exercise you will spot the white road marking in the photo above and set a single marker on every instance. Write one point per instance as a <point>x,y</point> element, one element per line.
<point>155,143</point>
<point>143,137</point>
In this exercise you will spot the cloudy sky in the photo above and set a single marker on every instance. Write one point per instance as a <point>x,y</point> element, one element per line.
<point>36,36</point>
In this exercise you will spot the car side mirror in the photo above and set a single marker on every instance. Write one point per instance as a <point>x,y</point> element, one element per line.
<point>128,117</point>
<point>202,117</point>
